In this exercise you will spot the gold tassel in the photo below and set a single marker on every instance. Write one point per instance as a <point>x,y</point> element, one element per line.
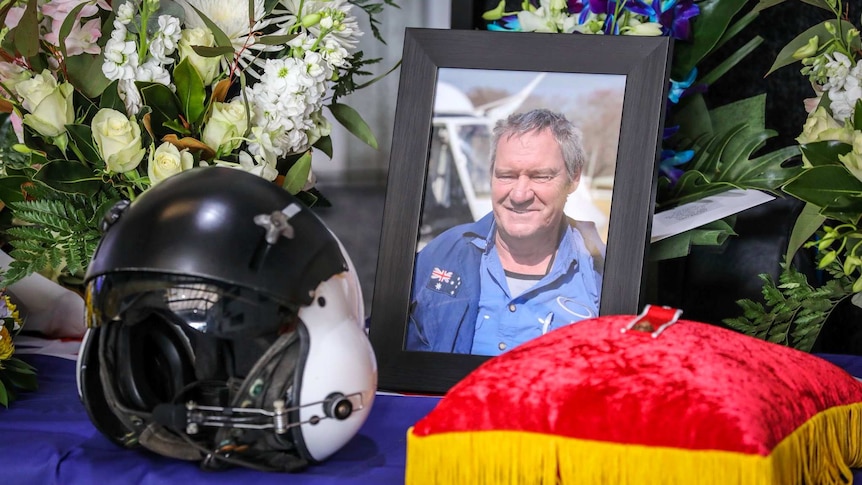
<point>820,451</point>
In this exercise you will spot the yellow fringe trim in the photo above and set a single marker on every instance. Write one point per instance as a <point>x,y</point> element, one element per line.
<point>821,452</point>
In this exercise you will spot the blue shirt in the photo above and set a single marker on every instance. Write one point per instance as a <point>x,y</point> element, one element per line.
<point>448,287</point>
<point>562,296</point>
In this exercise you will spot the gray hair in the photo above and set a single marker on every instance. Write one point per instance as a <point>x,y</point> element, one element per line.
<point>568,135</point>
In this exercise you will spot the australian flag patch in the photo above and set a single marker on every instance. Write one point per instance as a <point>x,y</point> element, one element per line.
<point>443,281</point>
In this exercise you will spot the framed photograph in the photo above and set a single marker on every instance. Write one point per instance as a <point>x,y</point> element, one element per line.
<point>455,85</point>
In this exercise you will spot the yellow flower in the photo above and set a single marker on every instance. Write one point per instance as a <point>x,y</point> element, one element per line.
<point>6,346</point>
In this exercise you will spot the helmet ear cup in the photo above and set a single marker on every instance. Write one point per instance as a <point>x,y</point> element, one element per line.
<point>91,391</point>
<point>153,362</point>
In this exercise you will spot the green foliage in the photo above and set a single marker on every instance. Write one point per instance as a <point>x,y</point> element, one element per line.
<point>725,153</point>
<point>346,83</point>
<point>373,8</point>
<point>56,233</point>
<point>709,31</point>
<point>354,123</point>
<point>15,374</point>
<point>793,312</point>
<point>785,56</point>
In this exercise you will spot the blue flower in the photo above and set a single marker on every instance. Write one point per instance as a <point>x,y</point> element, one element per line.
<point>678,88</point>
<point>508,23</point>
<point>670,160</point>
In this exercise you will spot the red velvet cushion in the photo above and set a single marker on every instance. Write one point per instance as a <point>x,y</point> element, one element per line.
<point>694,387</point>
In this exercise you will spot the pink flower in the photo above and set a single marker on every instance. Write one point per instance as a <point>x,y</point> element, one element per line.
<point>83,38</point>
<point>80,39</point>
<point>14,16</point>
<point>58,10</point>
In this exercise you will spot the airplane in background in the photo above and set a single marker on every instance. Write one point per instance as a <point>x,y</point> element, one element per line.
<point>459,184</point>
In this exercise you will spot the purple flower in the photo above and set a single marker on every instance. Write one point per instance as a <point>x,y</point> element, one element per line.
<point>597,7</point>
<point>575,6</point>
<point>678,19</point>
<point>673,15</point>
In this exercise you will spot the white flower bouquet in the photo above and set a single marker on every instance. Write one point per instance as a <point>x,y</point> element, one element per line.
<point>106,99</point>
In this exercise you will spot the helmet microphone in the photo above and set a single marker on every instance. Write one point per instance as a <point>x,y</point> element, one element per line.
<point>191,416</point>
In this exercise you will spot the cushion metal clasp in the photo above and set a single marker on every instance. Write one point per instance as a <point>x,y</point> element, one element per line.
<point>654,320</point>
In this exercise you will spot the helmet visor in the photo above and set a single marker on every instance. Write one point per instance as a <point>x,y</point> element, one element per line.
<point>215,308</point>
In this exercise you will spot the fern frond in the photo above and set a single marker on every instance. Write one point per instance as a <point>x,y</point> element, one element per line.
<point>57,235</point>
<point>793,312</point>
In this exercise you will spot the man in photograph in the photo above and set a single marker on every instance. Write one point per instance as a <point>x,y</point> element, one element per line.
<point>523,269</point>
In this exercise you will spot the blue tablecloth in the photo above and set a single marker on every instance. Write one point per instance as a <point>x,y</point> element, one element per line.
<point>46,438</point>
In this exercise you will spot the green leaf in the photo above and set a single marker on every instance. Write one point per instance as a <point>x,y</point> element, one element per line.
<point>324,144</point>
<point>68,176</point>
<point>350,119</point>
<point>111,98</point>
<point>4,396</point>
<point>713,171</point>
<point>221,39</point>
<point>26,33</point>
<point>825,152</point>
<point>275,39</point>
<point>66,28</point>
<point>712,234</point>
<point>830,187</point>
<point>693,119</point>
<point>752,110</point>
<point>785,56</point>
<point>165,105</point>
<point>23,381</point>
<point>707,29</point>
<point>297,175</point>
<point>731,61</point>
<point>807,223</point>
<point>20,366</point>
<point>764,4</point>
<point>190,90</point>
<point>206,51</point>
<point>857,115</point>
<point>81,136</point>
<point>85,73</point>
<point>10,188</point>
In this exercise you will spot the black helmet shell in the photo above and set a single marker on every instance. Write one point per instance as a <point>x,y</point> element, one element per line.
<point>201,223</point>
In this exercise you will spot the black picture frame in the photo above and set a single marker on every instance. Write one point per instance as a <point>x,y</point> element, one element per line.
<point>645,61</point>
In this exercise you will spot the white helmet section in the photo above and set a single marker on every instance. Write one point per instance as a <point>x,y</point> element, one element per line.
<point>340,358</point>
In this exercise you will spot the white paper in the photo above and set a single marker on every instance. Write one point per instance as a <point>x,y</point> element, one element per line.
<point>695,214</point>
<point>65,348</point>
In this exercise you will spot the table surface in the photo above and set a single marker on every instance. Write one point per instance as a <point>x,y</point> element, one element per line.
<point>47,438</point>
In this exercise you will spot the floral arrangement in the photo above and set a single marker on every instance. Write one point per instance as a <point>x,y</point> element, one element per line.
<point>107,99</point>
<point>830,184</point>
<point>15,374</point>
<point>704,151</point>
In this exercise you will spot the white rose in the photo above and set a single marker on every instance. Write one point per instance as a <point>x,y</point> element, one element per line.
<point>226,126</point>
<point>118,140</point>
<point>853,159</point>
<point>819,126</point>
<point>168,160</point>
<point>50,105</point>
<point>207,67</point>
